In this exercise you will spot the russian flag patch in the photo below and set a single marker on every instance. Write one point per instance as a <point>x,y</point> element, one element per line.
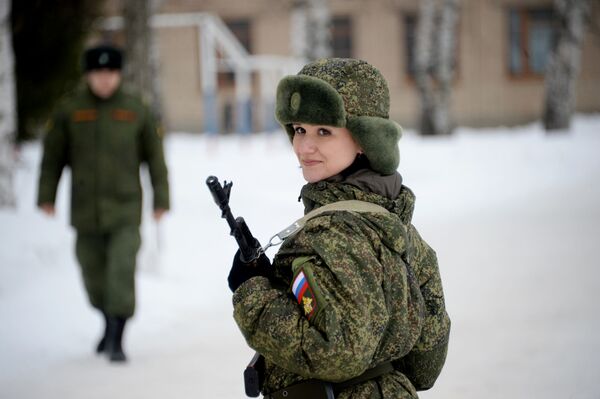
<point>300,285</point>
<point>304,294</point>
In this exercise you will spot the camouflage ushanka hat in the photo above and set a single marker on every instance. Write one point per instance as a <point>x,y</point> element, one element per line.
<point>343,92</point>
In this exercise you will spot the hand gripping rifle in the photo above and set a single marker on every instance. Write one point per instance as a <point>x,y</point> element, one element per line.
<point>250,250</point>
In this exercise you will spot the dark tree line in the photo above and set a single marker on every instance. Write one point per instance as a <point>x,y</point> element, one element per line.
<point>48,40</point>
<point>7,108</point>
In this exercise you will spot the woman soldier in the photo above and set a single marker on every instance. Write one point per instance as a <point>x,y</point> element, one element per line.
<point>352,306</point>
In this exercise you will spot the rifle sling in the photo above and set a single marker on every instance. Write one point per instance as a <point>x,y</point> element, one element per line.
<point>348,205</point>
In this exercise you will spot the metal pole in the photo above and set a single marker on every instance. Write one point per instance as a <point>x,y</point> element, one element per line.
<point>243,100</point>
<point>208,65</point>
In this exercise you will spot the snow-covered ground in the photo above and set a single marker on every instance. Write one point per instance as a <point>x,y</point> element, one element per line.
<point>514,215</point>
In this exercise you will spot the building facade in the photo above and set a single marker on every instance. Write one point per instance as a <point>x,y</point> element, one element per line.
<point>501,52</point>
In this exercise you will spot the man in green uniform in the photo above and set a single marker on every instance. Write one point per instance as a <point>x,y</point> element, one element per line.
<point>104,134</point>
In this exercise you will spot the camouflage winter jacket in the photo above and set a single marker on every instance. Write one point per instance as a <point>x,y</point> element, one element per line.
<point>351,291</point>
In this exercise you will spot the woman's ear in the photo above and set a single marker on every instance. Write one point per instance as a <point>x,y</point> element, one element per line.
<point>359,150</point>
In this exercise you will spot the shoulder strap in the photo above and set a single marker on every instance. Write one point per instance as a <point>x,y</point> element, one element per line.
<point>348,205</point>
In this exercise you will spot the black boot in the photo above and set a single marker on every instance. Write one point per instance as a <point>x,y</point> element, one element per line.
<point>114,339</point>
<point>102,344</point>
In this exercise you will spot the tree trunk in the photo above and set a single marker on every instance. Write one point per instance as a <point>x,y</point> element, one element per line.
<point>435,59</point>
<point>7,108</point>
<point>141,55</point>
<point>564,64</point>
<point>444,71</point>
<point>311,35</point>
<point>319,23</point>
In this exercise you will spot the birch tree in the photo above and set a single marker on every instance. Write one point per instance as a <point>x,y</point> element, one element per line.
<point>564,64</point>
<point>434,63</point>
<point>7,108</point>
<point>311,23</point>
<point>141,54</point>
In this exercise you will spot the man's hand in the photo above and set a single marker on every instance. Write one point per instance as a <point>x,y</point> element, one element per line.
<point>158,214</point>
<point>48,209</point>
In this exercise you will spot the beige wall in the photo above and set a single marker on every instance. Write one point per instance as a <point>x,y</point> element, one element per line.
<point>484,92</point>
<point>180,80</point>
<point>588,87</point>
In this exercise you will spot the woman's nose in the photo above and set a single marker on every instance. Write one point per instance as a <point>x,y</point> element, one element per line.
<point>307,144</point>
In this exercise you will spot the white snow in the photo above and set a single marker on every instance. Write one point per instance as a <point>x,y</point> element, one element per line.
<point>513,214</point>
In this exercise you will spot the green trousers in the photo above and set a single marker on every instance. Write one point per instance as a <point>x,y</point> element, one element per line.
<point>107,263</point>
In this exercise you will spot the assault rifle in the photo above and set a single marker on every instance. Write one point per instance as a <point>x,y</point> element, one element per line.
<point>250,250</point>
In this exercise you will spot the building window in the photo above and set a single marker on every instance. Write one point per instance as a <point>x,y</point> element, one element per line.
<point>341,37</point>
<point>241,30</point>
<point>410,40</point>
<point>532,35</point>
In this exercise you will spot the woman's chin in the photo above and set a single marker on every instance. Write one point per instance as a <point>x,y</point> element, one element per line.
<point>311,176</point>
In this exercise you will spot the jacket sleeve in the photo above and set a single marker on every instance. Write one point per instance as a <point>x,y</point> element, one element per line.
<point>153,155</point>
<point>339,342</point>
<point>55,157</point>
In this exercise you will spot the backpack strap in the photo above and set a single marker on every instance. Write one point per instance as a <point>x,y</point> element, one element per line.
<point>348,205</point>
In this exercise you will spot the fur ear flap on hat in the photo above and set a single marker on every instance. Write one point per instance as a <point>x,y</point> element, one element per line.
<point>374,134</point>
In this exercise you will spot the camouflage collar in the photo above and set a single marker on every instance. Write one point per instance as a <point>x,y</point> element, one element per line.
<point>363,185</point>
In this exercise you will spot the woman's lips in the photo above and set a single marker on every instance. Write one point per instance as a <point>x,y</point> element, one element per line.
<point>310,162</point>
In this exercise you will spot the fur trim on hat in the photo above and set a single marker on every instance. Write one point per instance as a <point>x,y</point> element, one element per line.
<point>304,99</point>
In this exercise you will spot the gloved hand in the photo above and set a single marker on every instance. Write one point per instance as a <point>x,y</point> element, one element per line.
<point>241,272</point>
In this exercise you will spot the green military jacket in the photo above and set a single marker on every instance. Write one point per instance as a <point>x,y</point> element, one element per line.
<point>351,291</point>
<point>104,142</point>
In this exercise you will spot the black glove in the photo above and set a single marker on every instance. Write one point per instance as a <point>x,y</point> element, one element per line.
<point>241,272</point>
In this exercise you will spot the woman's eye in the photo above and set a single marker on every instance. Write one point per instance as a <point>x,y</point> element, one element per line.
<point>324,132</point>
<point>299,130</point>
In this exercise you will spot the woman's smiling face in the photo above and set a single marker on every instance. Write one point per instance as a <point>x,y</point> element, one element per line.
<point>323,151</point>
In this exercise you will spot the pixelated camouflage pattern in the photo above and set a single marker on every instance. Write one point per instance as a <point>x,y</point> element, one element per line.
<point>362,87</point>
<point>373,308</point>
